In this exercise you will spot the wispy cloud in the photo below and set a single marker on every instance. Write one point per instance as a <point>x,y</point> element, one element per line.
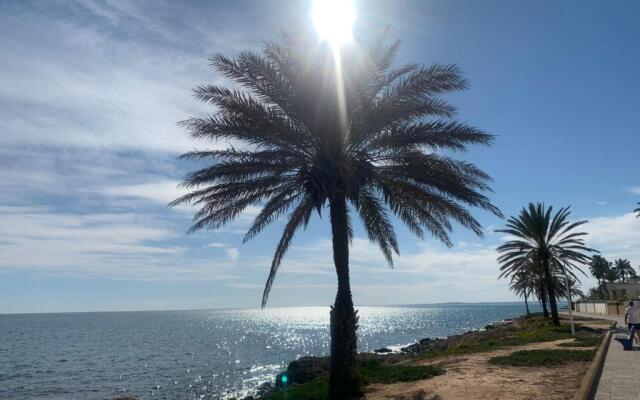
<point>122,246</point>
<point>101,74</point>
<point>634,190</point>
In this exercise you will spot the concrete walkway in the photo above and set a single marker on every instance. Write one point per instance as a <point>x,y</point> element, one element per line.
<point>620,377</point>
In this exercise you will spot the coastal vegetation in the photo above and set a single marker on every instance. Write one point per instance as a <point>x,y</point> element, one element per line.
<point>543,250</point>
<point>369,372</point>
<point>433,358</point>
<point>355,135</point>
<point>538,358</point>
<point>534,329</point>
<point>583,341</point>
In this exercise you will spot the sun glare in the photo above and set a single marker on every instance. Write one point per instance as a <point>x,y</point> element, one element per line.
<point>333,20</point>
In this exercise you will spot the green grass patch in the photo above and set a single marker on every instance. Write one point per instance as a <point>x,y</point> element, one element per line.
<point>542,358</point>
<point>583,341</point>
<point>368,372</point>
<point>533,329</point>
<point>317,389</point>
<point>376,372</point>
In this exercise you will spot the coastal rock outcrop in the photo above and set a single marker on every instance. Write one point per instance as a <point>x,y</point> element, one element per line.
<point>304,370</point>
<point>383,350</point>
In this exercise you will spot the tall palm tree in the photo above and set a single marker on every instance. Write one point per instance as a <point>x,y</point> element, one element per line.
<point>624,269</point>
<point>363,137</point>
<point>598,267</point>
<point>551,241</point>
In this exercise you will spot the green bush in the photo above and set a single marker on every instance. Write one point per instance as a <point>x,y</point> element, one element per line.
<point>542,358</point>
<point>376,372</point>
<point>317,389</point>
<point>583,341</point>
<point>368,372</point>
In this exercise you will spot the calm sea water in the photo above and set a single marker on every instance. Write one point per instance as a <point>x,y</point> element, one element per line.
<point>201,354</point>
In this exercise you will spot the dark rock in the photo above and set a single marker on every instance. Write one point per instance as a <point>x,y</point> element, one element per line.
<point>383,350</point>
<point>305,369</point>
<point>490,326</point>
<point>425,341</point>
<point>412,348</point>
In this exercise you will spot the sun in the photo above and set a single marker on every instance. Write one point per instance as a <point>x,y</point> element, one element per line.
<point>333,20</point>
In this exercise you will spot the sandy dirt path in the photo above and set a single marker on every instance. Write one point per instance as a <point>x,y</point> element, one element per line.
<point>471,377</point>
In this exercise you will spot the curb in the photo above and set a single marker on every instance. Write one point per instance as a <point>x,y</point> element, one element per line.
<point>590,381</point>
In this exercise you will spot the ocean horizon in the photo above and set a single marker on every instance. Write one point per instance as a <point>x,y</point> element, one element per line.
<point>266,308</point>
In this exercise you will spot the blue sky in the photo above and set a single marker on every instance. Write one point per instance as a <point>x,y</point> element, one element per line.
<point>90,93</point>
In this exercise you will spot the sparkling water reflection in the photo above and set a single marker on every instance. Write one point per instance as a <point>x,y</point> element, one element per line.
<point>203,354</point>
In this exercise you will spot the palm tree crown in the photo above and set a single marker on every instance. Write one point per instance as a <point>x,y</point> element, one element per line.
<point>637,210</point>
<point>624,270</point>
<point>539,237</point>
<point>599,267</point>
<point>312,130</point>
<point>298,156</point>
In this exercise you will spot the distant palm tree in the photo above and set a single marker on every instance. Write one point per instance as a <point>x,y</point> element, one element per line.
<point>598,267</point>
<point>637,211</point>
<point>549,240</point>
<point>611,275</point>
<point>624,269</point>
<point>523,283</point>
<point>361,137</point>
<point>561,287</point>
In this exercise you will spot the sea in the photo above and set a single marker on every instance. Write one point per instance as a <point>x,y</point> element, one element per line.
<point>199,354</point>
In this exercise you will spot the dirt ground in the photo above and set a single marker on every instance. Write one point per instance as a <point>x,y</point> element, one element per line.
<point>469,376</point>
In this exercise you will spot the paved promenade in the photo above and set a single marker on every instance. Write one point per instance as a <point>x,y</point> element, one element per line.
<point>620,378</point>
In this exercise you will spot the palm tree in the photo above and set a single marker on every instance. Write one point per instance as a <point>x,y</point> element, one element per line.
<point>598,267</point>
<point>370,147</point>
<point>624,269</point>
<point>523,283</point>
<point>611,275</point>
<point>561,287</point>
<point>550,241</point>
<point>637,211</point>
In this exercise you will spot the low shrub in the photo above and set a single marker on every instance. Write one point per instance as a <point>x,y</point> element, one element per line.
<point>368,372</point>
<point>317,389</point>
<point>376,372</point>
<point>542,358</point>
<point>583,341</point>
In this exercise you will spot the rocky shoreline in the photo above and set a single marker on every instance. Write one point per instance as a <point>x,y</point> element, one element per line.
<point>306,369</point>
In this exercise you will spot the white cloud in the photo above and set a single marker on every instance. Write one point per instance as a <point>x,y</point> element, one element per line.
<point>218,245</point>
<point>615,236</point>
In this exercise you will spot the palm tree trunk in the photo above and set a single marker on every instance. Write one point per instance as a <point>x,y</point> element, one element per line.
<point>526,303</point>
<point>551,292</point>
<point>543,301</point>
<point>343,380</point>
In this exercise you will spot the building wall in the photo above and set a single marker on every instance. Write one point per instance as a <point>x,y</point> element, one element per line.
<point>623,290</point>
<point>593,308</point>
